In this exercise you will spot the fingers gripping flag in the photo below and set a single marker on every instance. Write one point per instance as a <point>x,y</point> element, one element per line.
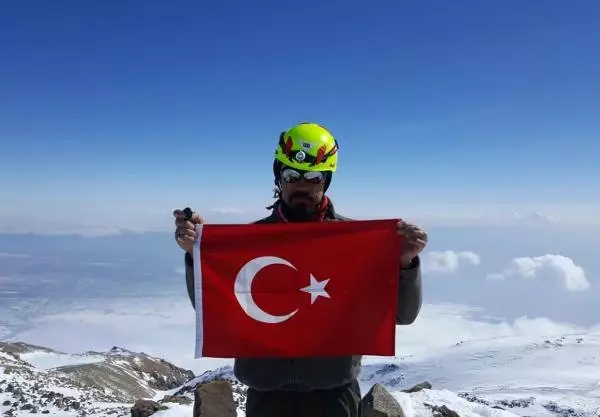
<point>296,289</point>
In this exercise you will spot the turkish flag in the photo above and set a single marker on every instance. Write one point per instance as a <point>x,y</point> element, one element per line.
<point>296,289</point>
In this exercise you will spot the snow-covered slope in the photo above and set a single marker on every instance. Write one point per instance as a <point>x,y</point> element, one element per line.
<point>43,380</point>
<point>518,376</point>
<point>503,377</point>
<point>530,377</point>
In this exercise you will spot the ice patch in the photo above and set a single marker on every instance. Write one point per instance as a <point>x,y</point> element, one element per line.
<point>47,360</point>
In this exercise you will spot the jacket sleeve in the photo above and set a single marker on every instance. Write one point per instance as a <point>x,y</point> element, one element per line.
<point>409,293</point>
<point>189,278</point>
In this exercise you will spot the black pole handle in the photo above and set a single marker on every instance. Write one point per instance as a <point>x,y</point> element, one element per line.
<point>188,213</point>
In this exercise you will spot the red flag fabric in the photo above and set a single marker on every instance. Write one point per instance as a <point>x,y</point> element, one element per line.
<point>296,289</point>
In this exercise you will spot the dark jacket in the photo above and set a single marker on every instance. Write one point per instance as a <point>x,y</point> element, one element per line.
<point>316,373</point>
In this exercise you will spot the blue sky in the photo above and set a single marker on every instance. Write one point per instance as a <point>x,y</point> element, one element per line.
<point>155,105</point>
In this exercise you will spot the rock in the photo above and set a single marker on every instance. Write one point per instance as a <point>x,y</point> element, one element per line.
<point>378,402</point>
<point>444,411</point>
<point>441,411</point>
<point>418,387</point>
<point>145,408</point>
<point>27,407</point>
<point>6,403</point>
<point>214,399</point>
<point>177,400</point>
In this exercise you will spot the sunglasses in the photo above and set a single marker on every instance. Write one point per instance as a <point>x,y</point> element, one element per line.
<point>291,176</point>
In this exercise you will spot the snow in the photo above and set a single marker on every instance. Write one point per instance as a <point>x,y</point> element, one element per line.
<point>53,413</point>
<point>6,357</point>
<point>66,391</point>
<point>413,405</point>
<point>526,375</point>
<point>563,370</point>
<point>49,360</point>
<point>176,410</point>
<point>560,372</point>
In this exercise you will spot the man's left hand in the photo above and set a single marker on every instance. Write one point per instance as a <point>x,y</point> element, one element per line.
<point>415,240</point>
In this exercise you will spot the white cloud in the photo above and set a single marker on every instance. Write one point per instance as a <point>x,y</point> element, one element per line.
<point>527,217</point>
<point>6,255</point>
<point>535,218</point>
<point>165,327</point>
<point>448,262</point>
<point>557,266</point>
<point>228,210</point>
<point>160,326</point>
<point>118,213</point>
<point>441,325</point>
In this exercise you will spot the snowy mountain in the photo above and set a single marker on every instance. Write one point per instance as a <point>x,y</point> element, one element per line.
<point>507,377</point>
<point>559,376</point>
<point>36,379</point>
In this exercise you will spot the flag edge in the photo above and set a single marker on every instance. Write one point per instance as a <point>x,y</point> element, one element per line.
<point>198,292</point>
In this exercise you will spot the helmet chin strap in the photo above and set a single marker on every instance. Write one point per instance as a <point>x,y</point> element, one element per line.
<point>327,181</point>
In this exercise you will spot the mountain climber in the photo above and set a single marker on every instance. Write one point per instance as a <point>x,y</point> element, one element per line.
<point>305,160</point>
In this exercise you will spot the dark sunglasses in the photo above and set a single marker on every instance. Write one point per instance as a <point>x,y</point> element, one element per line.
<point>291,176</point>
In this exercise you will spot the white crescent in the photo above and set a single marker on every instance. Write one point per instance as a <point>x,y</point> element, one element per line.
<point>243,289</point>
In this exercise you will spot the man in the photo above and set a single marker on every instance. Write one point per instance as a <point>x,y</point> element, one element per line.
<point>305,159</point>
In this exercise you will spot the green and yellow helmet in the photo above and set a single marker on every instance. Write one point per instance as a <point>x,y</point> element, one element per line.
<point>307,147</point>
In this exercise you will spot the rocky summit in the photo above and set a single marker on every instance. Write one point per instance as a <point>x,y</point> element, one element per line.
<point>38,380</point>
<point>94,383</point>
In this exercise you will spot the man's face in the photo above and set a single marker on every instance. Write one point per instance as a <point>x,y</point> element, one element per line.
<point>300,190</point>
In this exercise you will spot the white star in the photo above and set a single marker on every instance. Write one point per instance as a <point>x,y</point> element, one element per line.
<point>316,289</point>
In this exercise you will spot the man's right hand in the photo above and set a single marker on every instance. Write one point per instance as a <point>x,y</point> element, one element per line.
<point>185,229</point>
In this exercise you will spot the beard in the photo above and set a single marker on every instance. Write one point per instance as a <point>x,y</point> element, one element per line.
<point>303,204</point>
<point>303,199</point>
